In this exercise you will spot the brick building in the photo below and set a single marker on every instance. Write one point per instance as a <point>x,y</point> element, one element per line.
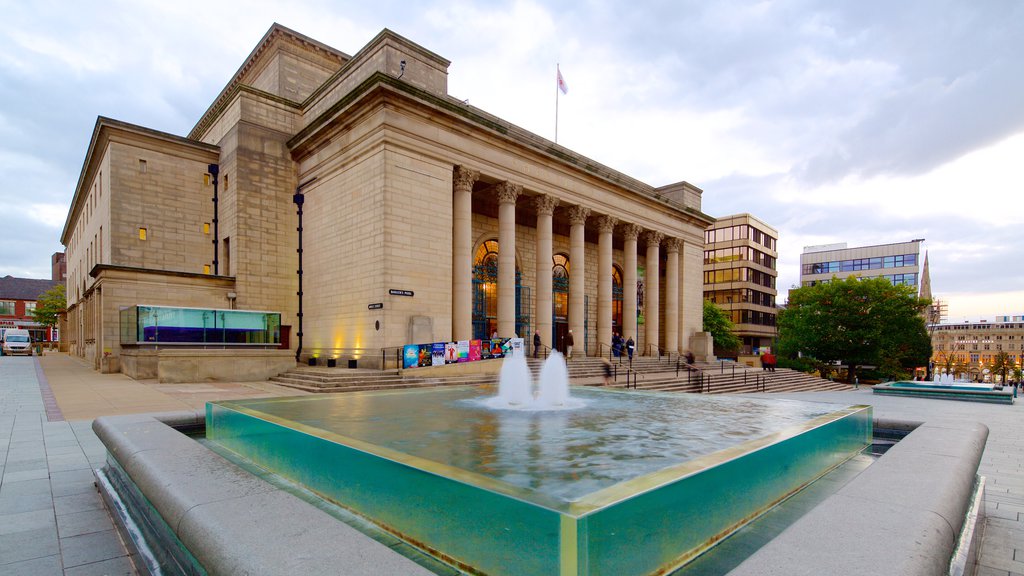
<point>424,219</point>
<point>18,297</point>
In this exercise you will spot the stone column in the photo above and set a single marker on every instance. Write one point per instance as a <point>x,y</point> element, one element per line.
<point>577,276</point>
<point>672,246</point>
<point>605,226</point>
<point>652,305</point>
<point>545,209</point>
<point>507,195</point>
<point>630,232</point>
<point>462,252</point>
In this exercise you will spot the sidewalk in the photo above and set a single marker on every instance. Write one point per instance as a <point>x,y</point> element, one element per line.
<point>52,519</point>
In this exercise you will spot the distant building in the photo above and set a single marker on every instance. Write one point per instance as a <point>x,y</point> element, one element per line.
<point>740,270</point>
<point>18,297</point>
<point>974,345</point>
<point>58,267</point>
<point>898,263</point>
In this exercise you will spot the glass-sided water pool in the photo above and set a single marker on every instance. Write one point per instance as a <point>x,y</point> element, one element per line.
<point>960,391</point>
<point>629,483</point>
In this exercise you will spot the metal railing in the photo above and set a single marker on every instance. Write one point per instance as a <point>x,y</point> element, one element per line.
<point>630,374</point>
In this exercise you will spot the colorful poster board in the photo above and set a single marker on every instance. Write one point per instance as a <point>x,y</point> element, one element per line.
<point>451,353</point>
<point>497,350</point>
<point>411,356</point>
<point>474,350</point>
<point>424,355</point>
<point>463,348</point>
<point>437,354</point>
<point>518,347</point>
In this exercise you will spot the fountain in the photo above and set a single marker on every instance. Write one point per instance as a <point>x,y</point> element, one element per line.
<point>516,391</point>
<point>540,481</point>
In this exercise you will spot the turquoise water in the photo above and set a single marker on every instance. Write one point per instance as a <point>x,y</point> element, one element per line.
<point>970,387</point>
<point>628,484</point>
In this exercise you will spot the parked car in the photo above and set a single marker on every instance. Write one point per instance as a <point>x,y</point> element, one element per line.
<point>17,341</point>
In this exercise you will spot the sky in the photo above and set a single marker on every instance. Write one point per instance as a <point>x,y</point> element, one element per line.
<point>861,122</point>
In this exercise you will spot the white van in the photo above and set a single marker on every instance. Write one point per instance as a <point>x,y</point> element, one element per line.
<point>17,341</point>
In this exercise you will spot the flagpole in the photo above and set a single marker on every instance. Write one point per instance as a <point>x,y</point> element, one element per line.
<point>557,89</point>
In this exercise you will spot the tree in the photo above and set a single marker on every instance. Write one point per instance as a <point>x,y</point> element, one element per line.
<point>50,305</point>
<point>1002,364</point>
<point>718,323</point>
<point>857,322</point>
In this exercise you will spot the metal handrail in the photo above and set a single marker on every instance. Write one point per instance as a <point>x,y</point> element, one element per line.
<point>628,370</point>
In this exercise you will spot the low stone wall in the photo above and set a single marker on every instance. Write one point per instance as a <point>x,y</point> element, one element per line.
<point>902,515</point>
<point>205,365</point>
<point>231,521</point>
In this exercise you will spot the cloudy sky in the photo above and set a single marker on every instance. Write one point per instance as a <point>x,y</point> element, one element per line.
<point>862,122</point>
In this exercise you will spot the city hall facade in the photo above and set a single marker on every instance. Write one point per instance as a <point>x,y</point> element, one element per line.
<point>423,219</point>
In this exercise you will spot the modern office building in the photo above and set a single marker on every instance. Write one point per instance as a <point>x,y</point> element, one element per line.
<point>740,258</point>
<point>423,219</point>
<point>897,262</point>
<point>971,347</point>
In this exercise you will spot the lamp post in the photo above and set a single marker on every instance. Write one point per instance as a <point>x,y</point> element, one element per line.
<point>299,199</point>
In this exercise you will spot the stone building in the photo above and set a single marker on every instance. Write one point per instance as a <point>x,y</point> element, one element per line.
<point>969,349</point>
<point>424,219</point>
<point>740,271</point>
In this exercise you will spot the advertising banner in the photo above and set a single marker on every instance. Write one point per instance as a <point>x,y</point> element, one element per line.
<point>411,357</point>
<point>497,348</point>
<point>474,350</point>
<point>424,359</point>
<point>518,347</point>
<point>451,353</point>
<point>437,354</point>
<point>463,348</point>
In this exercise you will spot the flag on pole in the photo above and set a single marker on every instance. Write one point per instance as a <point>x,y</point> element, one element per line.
<point>561,82</point>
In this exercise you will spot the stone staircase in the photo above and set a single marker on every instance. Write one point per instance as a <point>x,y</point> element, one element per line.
<point>649,373</point>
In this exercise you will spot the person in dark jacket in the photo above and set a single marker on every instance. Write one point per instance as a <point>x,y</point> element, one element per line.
<point>536,343</point>
<point>568,344</point>
<point>629,348</point>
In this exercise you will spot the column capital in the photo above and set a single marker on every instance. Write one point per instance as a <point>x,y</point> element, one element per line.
<point>631,231</point>
<point>508,192</point>
<point>578,214</point>
<point>653,238</point>
<point>465,177</point>
<point>673,245</point>
<point>606,223</point>
<point>545,204</point>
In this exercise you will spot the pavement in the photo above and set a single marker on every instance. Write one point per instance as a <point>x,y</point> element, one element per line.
<point>53,522</point>
<point>52,519</point>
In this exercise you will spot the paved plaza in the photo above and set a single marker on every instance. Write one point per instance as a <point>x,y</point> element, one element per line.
<point>52,519</point>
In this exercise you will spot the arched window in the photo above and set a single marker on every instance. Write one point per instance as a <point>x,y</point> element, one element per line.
<point>616,299</point>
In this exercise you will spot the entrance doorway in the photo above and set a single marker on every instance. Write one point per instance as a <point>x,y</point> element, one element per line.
<point>560,301</point>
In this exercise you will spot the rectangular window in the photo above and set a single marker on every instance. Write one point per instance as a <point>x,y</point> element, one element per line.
<point>142,166</point>
<point>226,258</point>
<point>29,307</point>
<point>6,308</point>
<point>142,233</point>
<point>206,227</point>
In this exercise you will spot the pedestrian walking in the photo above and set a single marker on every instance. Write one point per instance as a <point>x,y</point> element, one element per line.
<point>536,343</point>
<point>629,348</point>
<point>607,371</point>
<point>568,344</point>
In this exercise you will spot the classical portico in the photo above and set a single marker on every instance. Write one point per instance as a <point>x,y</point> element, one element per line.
<point>530,227</point>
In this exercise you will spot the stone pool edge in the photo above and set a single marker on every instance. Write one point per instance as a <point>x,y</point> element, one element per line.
<point>230,521</point>
<point>902,515</point>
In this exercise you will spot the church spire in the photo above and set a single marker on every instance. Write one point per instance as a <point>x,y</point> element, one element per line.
<point>926,280</point>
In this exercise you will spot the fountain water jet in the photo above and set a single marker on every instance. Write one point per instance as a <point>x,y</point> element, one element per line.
<point>516,391</point>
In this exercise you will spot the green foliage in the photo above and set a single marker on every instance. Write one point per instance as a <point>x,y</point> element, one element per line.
<point>807,365</point>
<point>857,322</point>
<point>718,323</point>
<point>50,306</point>
<point>1002,365</point>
